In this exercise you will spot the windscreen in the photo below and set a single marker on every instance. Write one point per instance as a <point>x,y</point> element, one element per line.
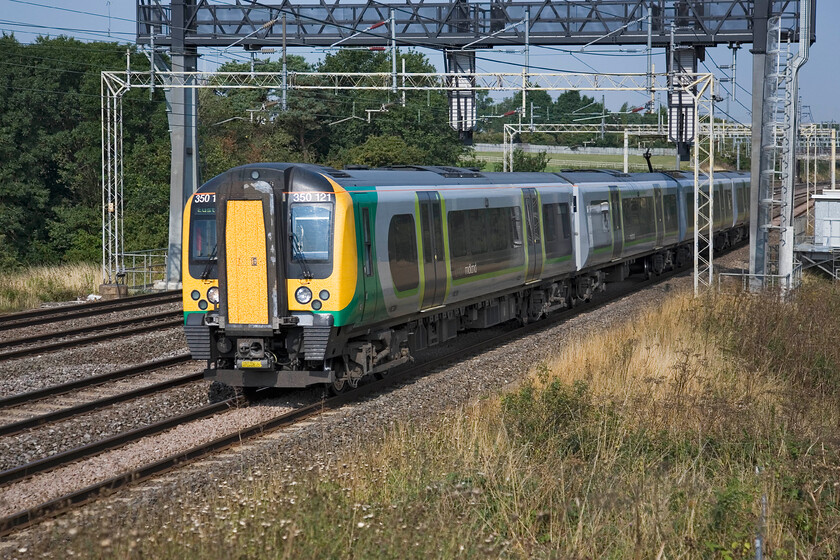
<point>311,225</point>
<point>203,239</point>
<point>202,245</point>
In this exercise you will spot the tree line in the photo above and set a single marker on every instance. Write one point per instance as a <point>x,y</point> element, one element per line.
<point>50,130</point>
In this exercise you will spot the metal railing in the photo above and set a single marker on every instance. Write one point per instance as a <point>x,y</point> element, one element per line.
<point>143,268</point>
<point>785,283</point>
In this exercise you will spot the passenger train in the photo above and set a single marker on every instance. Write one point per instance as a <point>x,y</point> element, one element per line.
<point>296,275</point>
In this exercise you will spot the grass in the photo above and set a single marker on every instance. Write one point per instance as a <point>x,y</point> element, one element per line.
<point>657,439</point>
<point>30,287</point>
<point>558,162</point>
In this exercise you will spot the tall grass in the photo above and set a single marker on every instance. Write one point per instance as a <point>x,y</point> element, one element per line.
<point>30,287</point>
<point>683,433</point>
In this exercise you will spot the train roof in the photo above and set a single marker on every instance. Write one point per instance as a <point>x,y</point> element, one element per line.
<point>434,175</point>
<point>430,175</point>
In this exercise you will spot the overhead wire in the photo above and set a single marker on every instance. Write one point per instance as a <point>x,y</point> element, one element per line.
<point>401,41</point>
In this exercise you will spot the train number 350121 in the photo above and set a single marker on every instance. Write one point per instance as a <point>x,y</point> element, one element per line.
<point>311,197</point>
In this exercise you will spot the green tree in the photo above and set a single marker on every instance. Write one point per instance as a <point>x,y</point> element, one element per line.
<point>421,123</point>
<point>238,126</point>
<point>50,163</point>
<point>526,162</point>
<point>379,151</point>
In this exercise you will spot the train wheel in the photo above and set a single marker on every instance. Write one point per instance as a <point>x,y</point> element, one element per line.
<point>344,381</point>
<point>339,386</point>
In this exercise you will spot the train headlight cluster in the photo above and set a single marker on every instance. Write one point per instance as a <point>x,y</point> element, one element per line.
<point>303,295</point>
<point>213,295</point>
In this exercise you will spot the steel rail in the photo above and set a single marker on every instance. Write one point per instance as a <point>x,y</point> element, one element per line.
<point>90,328</point>
<point>91,339</point>
<point>41,316</point>
<point>56,390</point>
<point>90,406</point>
<point>119,440</point>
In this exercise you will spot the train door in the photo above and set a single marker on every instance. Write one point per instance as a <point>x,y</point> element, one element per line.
<point>617,233</point>
<point>365,214</point>
<point>659,212</point>
<point>534,234</point>
<point>434,262</point>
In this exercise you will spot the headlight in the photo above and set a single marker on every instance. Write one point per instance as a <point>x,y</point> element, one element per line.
<point>196,295</point>
<point>324,295</point>
<point>303,295</point>
<point>213,295</point>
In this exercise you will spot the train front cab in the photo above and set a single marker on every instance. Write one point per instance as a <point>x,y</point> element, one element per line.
<point>287,268</point>
<point>200,284</point>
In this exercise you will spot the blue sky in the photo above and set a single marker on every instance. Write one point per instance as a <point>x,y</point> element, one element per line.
<point>819,83</point>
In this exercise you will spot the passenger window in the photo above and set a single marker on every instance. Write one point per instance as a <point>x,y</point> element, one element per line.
<point>402,252</point>
<point>605,215</point>
<point>483,240</point>
<point>669,203</point>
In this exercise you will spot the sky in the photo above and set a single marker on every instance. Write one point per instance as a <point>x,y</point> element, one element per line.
<point>114,20</point>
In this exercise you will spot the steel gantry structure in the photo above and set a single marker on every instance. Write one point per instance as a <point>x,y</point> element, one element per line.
<point>456,24</point>
<point>457,28</point>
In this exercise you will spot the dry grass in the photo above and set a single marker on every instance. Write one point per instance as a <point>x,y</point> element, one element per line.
<point>659,439</point>
<point>30,287</point>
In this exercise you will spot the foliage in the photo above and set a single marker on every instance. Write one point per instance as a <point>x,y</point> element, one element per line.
<point>378,151</point>
<point>569,107</point>
<point>526,162</point>
<point>50,163</point>
<point>31,286</point>
<point>50,168</point>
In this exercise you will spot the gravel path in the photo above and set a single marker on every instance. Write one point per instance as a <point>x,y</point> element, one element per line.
<point>319,441</point>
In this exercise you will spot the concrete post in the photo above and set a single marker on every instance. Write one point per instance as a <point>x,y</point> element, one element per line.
<point>183,115</point>
<point>758,238</point>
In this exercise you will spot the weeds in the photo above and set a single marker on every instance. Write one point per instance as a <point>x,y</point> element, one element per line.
<point>28,288</point>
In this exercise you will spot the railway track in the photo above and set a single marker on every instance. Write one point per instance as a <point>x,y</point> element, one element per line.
<point>92,492</point>
<point>23,346</point>
<point>55,314</point>
<point>14,402</point>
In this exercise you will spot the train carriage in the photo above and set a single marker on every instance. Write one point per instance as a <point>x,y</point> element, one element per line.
<point>296,275</point>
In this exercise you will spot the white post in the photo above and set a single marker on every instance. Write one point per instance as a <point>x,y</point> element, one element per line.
<point>833,158</point>
<point>626,151</point>
<point>650,55</point>
<point>285,71</point>
<point>393,54</point>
